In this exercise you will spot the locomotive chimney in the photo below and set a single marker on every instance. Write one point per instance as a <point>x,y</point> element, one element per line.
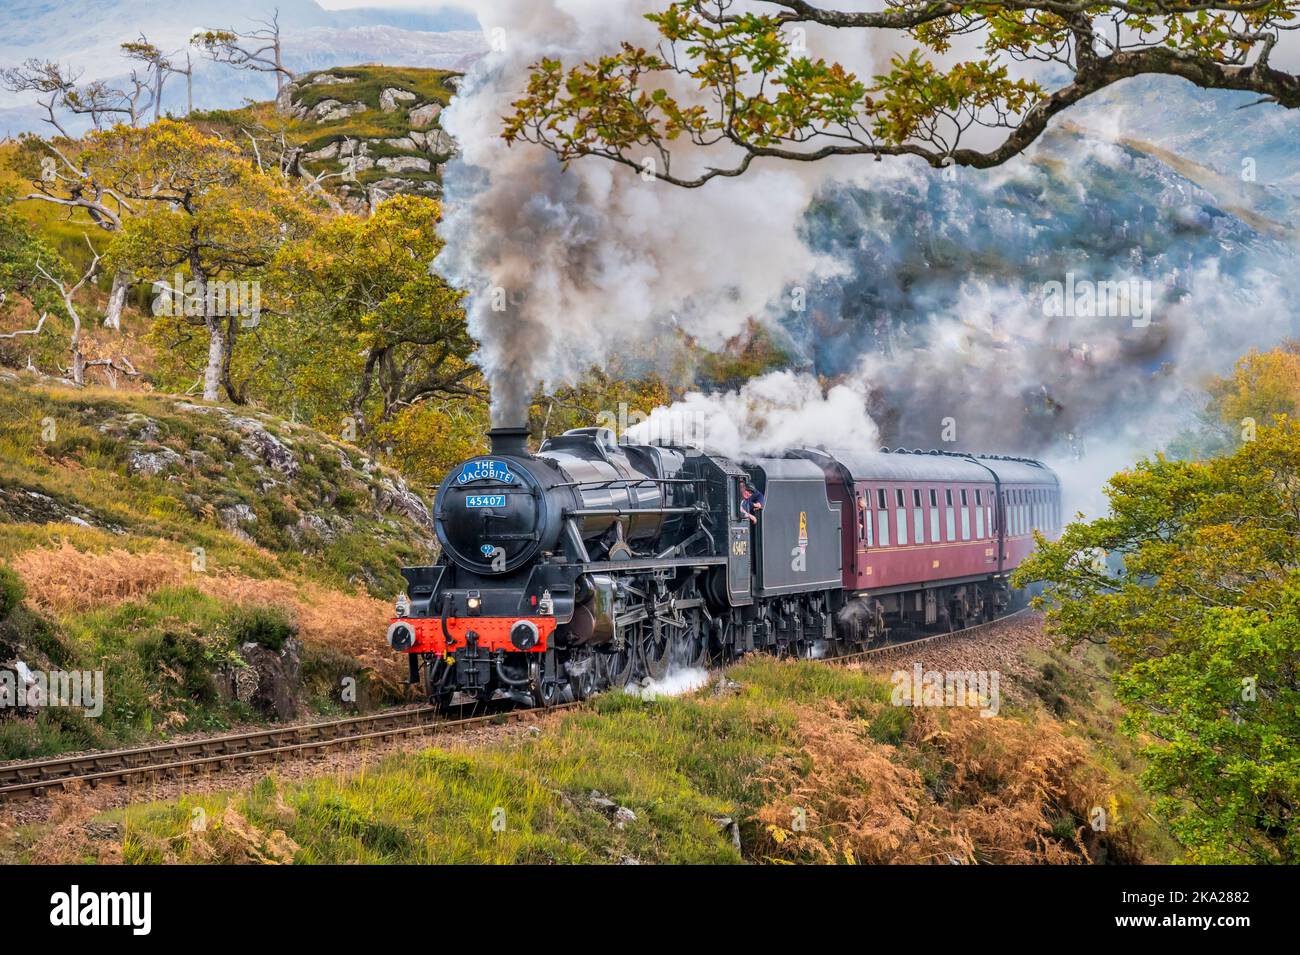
<point>509,441</point>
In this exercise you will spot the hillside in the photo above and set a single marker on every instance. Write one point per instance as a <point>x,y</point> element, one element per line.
<point>87,38</point>
<point>172,545</point>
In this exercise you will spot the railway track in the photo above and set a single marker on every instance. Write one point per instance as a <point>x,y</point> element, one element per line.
<point>216,753</point>
<point>908,645</point>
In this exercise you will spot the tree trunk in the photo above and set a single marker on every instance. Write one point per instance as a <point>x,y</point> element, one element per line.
<point>116,301</point>
<point>234,393</point>
<point>78,359</point>
<point>216,354</point>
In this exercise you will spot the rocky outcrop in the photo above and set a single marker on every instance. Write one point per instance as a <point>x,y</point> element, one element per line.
<point>403,164</point>
<point>329,110</point>
<point>373,168</point>
<point>269,681</point>
<point>390,100</point>
<point>422,117</point>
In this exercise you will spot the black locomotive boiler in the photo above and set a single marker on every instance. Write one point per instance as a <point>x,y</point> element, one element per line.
<point>593,562</point>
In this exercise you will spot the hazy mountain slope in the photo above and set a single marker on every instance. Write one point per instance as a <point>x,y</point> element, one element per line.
<point>87,36</point>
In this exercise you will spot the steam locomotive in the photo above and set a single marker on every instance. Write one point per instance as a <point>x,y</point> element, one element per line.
<point>592,562</point>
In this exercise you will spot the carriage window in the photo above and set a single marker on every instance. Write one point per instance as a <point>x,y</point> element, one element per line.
<point>979,496</point>
<point>950,520</point>
<point>965,518</point>
<point>979,517</point>
<point>862,519</point>
<point>947,496</point>
<point>898,495</point>
<point>881,499</point>
<point>901,514</point>
<point>870,535</point>
<point>964,500</point>
<point>934,516</point>
<point>882,523</point>
<point>918,521</point>
<point>916,497</point>
<point>934,498</point>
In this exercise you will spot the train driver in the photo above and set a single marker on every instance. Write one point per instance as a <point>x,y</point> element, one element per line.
<point>751,501</point>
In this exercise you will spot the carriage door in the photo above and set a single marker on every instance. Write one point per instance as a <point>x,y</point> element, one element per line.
<point>740,547</point>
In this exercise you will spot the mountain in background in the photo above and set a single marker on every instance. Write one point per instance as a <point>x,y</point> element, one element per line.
<point>87,36</point>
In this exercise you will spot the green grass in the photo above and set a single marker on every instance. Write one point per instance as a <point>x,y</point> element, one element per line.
<point>684,766</point>
<point>678,764</point>
<point>85,465</point>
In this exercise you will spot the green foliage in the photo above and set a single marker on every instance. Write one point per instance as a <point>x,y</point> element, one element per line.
<point>268,627</point>
<point>11,592</point>
<point>742,79</point>
<point>363,326</point>
<point>1226,714</point>
<point>1191,580</point>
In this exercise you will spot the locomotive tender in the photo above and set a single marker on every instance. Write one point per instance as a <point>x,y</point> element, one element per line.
<point>592,562</point>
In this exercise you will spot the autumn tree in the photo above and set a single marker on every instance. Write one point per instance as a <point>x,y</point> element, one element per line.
<point>1192,580</point>
<point>751,90</point>
<point>204,212</point>
<point>1262,384</point>
<point>368,329</point>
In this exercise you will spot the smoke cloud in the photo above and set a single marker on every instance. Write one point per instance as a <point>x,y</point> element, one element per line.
<point>924,289</point>
<point>566,267</point>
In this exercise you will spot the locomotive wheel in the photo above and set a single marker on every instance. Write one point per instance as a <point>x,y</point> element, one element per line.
<point>587,682</point>
<point>544,693</point>
<point>616,666</point>
<point>691,646</point>
<point>436,675</point>
<point>655,646</point>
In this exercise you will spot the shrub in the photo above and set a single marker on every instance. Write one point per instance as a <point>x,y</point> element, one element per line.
<point>11,592</point>
<point>268,627</point>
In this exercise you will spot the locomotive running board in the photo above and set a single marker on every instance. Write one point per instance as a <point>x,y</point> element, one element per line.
<point>652,564</point>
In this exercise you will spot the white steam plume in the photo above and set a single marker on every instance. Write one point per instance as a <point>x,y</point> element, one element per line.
<point>766,415</point>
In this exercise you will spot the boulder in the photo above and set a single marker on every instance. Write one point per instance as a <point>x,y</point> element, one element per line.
<point>403,164</point>
<point>438,143</point>
<point>329,79</point>
<point>269,681</point>
<point>328,110</point>
<point>325,152</point>
<point>260,444</point>
<point>422,117</point>
<point>152,463</point>
<point>392,494</point>
<point>236,514</point>
<point>391,99</point>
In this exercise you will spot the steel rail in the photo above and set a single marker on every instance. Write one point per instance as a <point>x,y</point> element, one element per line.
<point>24,780</point>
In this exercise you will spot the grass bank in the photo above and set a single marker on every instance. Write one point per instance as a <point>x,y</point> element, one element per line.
<point>795,762</point>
